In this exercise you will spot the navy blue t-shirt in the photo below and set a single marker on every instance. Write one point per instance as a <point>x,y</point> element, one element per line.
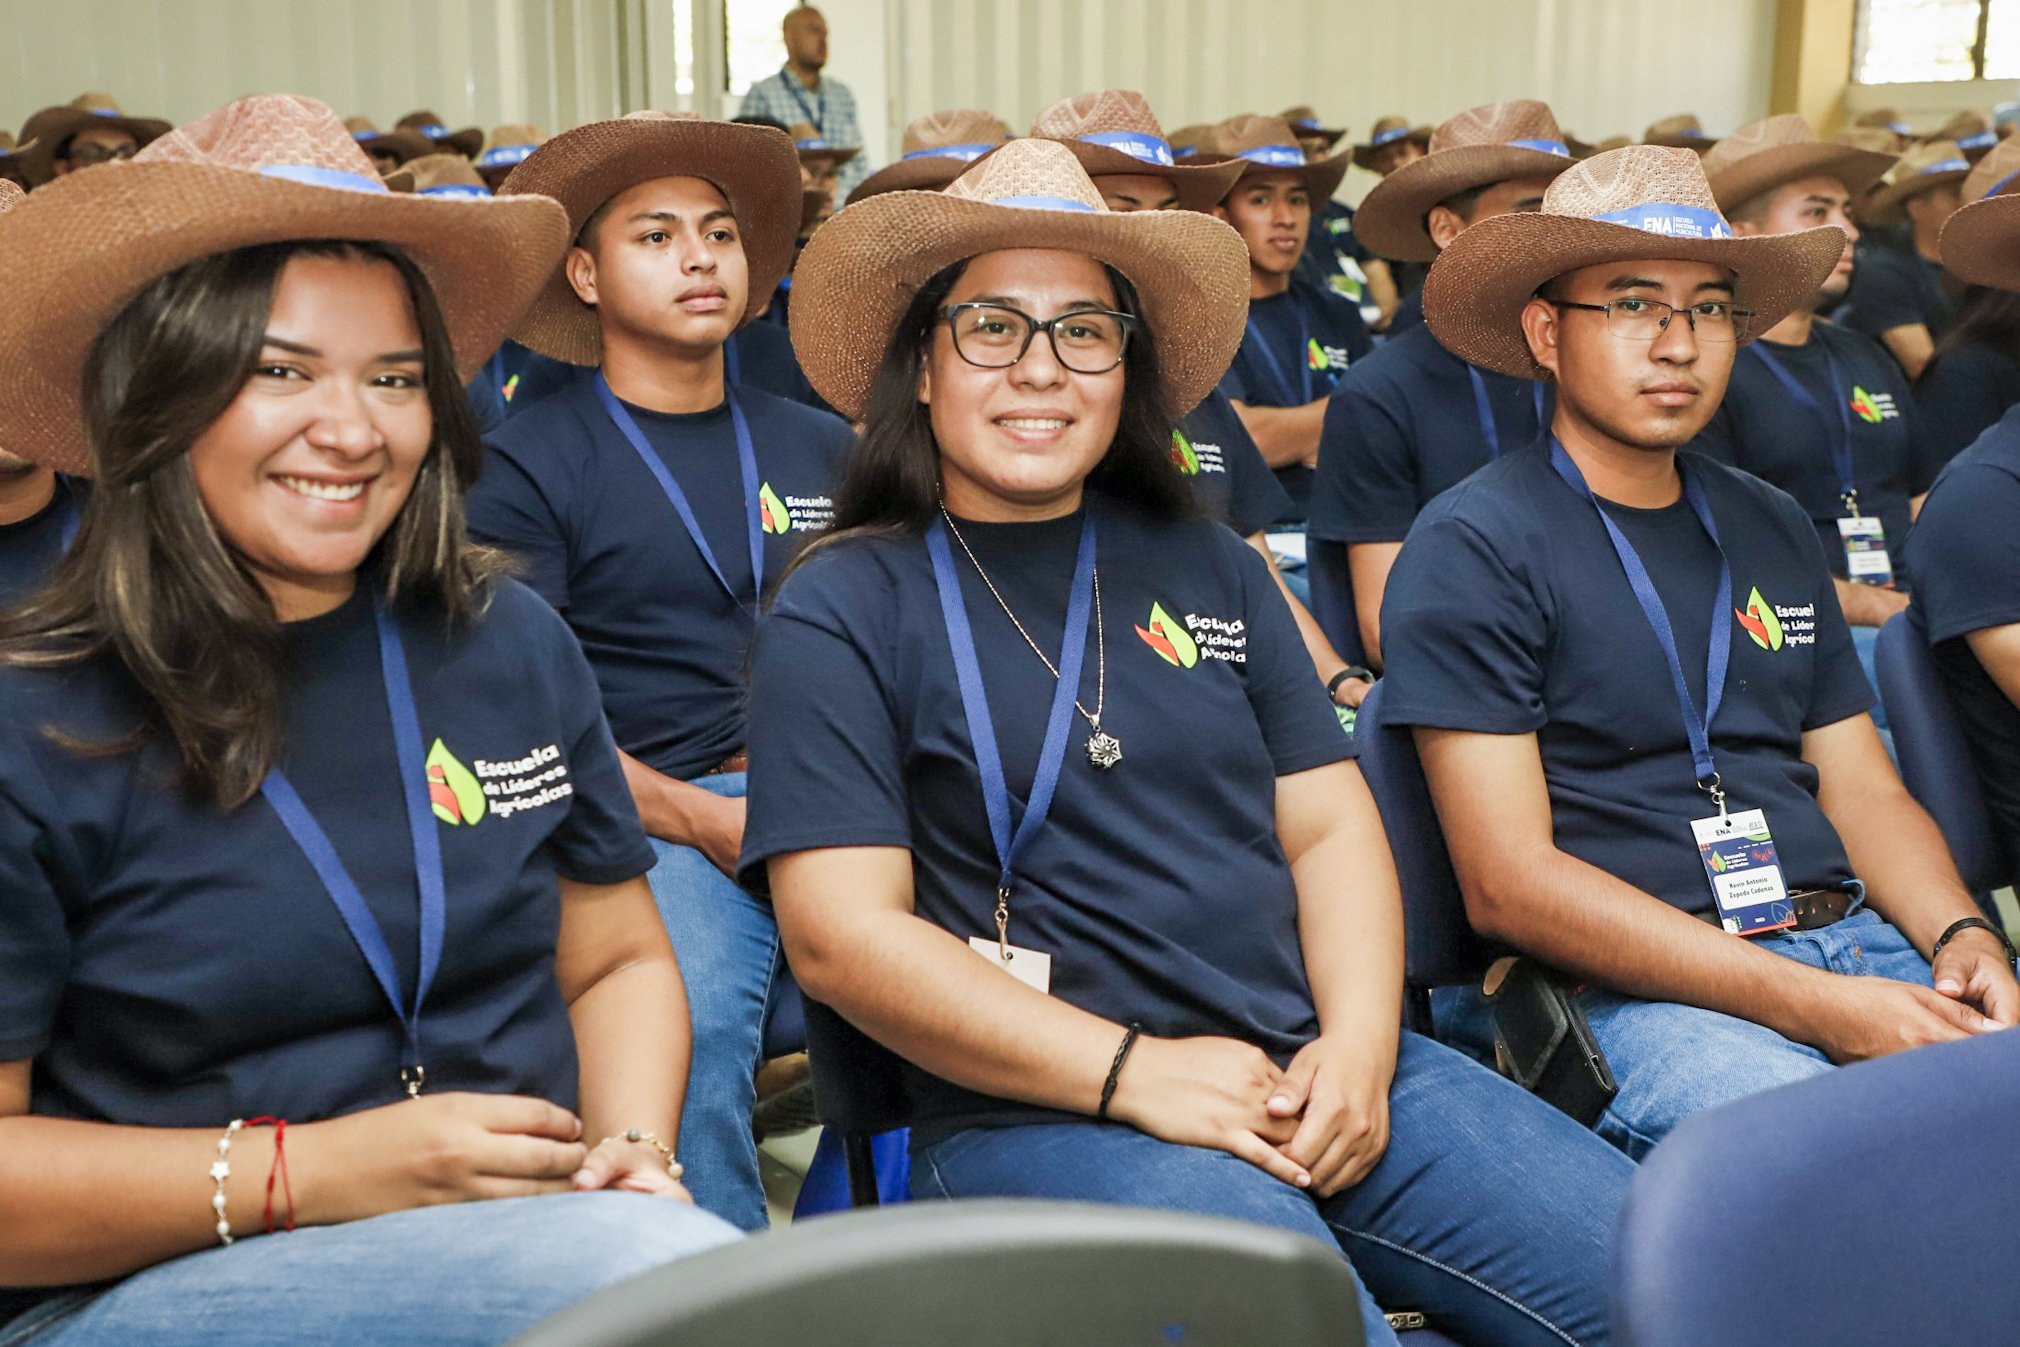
<point>758,356</point>
<point>1966,552</point>
<point>1896,287</point>
<point>1402,427</point>
<point>1964,391</point>
<point>1159,886</point>
<point>1213,450</point>
<point>31,547</point>
<point>1299,344</point>
<point>1508,613</point>
<point>169,964</point>
<point>565,493</point>
<point>1333,256</point>
<point>1763,429</point>
<point>1410,311</point>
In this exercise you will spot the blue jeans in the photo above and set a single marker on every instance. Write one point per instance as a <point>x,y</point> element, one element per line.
<point>728,946</point>
<point>1865,642</point>
<point>473,1274</point>
<point>1491,1212</point>
<point>1671,1060</point>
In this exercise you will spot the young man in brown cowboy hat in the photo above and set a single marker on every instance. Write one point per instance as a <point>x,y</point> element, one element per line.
<point>1413,419</point>
<point>1898,294</point>
<point>89,129</point>
<point>1300,338</point>
<point>653,505</point>
<point>1818,410</point>
<point>1965,550</point>
<point>1392,142</point>
<point>1638,706</point>
<point>1892,123</point>
<point>39,508</point>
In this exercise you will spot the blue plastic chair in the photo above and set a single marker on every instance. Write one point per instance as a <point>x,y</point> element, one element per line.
<point>1866,1206</point>
<point>1934,756</point>
<point>1440,948</point>
<point>1333,598</point>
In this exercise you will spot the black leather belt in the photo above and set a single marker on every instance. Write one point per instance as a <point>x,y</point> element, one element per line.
<point>1814,908</point>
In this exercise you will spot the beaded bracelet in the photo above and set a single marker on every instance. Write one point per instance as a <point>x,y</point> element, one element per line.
<point>220,1170</point>
<point>1115,1071</point>
<point>674,1169</point>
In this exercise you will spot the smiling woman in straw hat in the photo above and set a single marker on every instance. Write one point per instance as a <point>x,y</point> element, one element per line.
<point>283,697</point>
<point>1175,984</point>
<point>1638,705</point>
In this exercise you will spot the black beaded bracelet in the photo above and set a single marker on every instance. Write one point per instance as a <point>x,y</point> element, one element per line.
<point>1970,923</point>
<point>1351,671</point>
<point>1115,1071</point>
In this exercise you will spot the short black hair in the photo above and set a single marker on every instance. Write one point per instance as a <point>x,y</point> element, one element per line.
<point>1463,204</point>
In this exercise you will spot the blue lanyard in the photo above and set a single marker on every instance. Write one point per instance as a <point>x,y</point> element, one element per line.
<point>816,112</point>
<point>337,881</point>
<point>1719,649</point>
<point>1283,380</point>
<point>975,702</point>
<point>732,367</point>
<point>746,460</point>
<point>1837,432</point>
<point>1485,411</point>
<point>68,520</point>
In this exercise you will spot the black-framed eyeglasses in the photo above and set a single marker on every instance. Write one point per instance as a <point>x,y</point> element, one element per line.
<point>1714,320</point>
<point>996,336</point>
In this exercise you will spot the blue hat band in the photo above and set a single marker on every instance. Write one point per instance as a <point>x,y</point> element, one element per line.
<point>1671,220</point>
<point>364,136</point>
<point>814,144</point>
<point>317,176</point>
<point>502,155</point>
<point>1042,203</point>
<point>1984,140</point>
<point>1946,166</point>
<point>2000,185</point>
<point>1556,147</point>
<point>1136,144</point>
<point>1898,128</point>
<point>1388,137</point>
<point>1275,156</point>
<point>454,189</point>
<point>434,131</point>
<point>966,153</point>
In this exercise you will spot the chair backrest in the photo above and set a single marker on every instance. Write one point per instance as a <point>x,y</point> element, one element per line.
<point>1333,598</point>
<point>859,1084</point>
<point>985,1274</point>
<point>1440,946</point>
<point>1864,1206</point>
<point>1935,758</point>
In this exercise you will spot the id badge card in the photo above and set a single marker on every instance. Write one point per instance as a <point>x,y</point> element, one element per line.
<point>1746,878</point>
<point>1865,540</point>
<point>1029,966</point>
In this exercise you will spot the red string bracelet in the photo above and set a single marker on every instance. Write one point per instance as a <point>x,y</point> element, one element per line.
<point>280,1169</point>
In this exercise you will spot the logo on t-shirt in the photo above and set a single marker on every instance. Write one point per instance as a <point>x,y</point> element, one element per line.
<point>1874,408</point>
<point>1171,641</point>
<point>1193,459</point>
<point>787,514</point>
<point>1198,637</point>
<point>1316,356</point>
<point>1774,625</point>
<point>456,795</point>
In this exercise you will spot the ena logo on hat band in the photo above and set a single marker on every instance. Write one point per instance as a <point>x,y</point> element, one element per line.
<point>1138,145</point>
<point>1556,147</point>
<point>1670,219</point>
<point>1276,156</point>
<point>967,154</point>
<point>316,176</point>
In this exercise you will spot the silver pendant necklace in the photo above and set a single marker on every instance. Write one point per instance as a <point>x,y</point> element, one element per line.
<point>1104,750</point>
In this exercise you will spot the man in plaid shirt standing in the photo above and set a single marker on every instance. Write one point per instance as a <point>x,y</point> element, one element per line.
<point>799,94</point>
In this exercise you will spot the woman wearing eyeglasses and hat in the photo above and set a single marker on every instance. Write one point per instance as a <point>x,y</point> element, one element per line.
<point>1052,803</point>
<point>324,904</point>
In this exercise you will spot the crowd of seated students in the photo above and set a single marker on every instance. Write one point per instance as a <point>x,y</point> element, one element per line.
<point>480,611</point>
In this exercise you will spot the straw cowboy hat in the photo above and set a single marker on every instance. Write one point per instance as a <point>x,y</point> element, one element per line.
<point>509,147</point>
<point>1926,167</point>
<point>53,128</point>
<point>1188,141</point>
<point>424,123</point>
<point>812,149</point>
<point>15,159</point>
<point>11,195</point>
<point>1113,131</point>
<point>935,150</point>
<point>1878,139</point>
<point>754,167</point>
<point>1644,202</point>
<point>1305,121</point>
<point>1884,119</point>
<point>443,175</point>
<point>402,145</point>
<point>1269,145</point>
<point>1972,131</point>
<point>1763,155</point>
<point>1981,242</point>
<point>859,274</point>
<point>1681,132</point>
<point>1481,146</point>
<point>1385,132</point>
<point>267,169</point>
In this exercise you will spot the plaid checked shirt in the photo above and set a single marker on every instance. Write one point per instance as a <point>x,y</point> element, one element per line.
<point>830,109</point>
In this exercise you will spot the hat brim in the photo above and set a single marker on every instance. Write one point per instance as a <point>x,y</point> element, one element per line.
<point>467,142</point>
<point>1200,186</point>
<point>1477,289</point>
<point>402,145</point>
<point>1980,244</point>
<point>1391,220</point>
<point>927,173</point>
<point>1322,176</point>
<point>87,243</point>
<point>754,167</point>
<point>860,272</point>
<point>1767,169</point>
<point>1364,155</point>
<point>1887,205</point>
<point>836,157</point>
<point>1331,135</point>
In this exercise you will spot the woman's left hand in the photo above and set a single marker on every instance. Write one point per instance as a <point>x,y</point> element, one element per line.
<point>622,1166</point>
<point>1342,1092</point>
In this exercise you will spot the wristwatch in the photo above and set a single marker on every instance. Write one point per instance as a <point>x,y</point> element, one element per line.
<point>1967,923</point>
<point>1351,671</point>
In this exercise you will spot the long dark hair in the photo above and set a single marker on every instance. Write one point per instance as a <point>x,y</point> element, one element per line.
<point>892,486</point>
<point>152,581</point>
<point>1985,317</point>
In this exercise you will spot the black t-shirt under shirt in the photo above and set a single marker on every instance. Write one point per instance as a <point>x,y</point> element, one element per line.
<point>1299,344</point>
<point>1896,287</point>
<point>1508,613</point>
<point>1158,887</point>
<point>31,547</point>
<point>565,493</point>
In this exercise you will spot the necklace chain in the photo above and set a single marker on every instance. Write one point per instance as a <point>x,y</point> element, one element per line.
<point>1100,634</point>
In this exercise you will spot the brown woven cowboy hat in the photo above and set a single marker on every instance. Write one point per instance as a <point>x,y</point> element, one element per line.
<point>1924,168</point>
<point>267,169</point>
<point>465,142</point>
<point>811,148</point>
<point>1884,119</point>
<point>402,145</point>
<point>16,160</point>
<point>11,195</point>
<point>1481,146</point>
<point>1878,139</point>
<point>754,167</point>
<point>1681,132</point>
<point>1644,202</point>
<point>1996,174</point>
<point>1304,120</point>
<point>442,175</point>
<point>1972,132</point>
<point>53,128</point>
<point>1763,155</point>
<point>1188,141</point>
<point>935,150</point>
<point>1269,145</point>
<point>1113,131</point>
<point>510,146</point>
<point>1981,242</point>
<point>1385,132</point>
<point>861,270</point>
